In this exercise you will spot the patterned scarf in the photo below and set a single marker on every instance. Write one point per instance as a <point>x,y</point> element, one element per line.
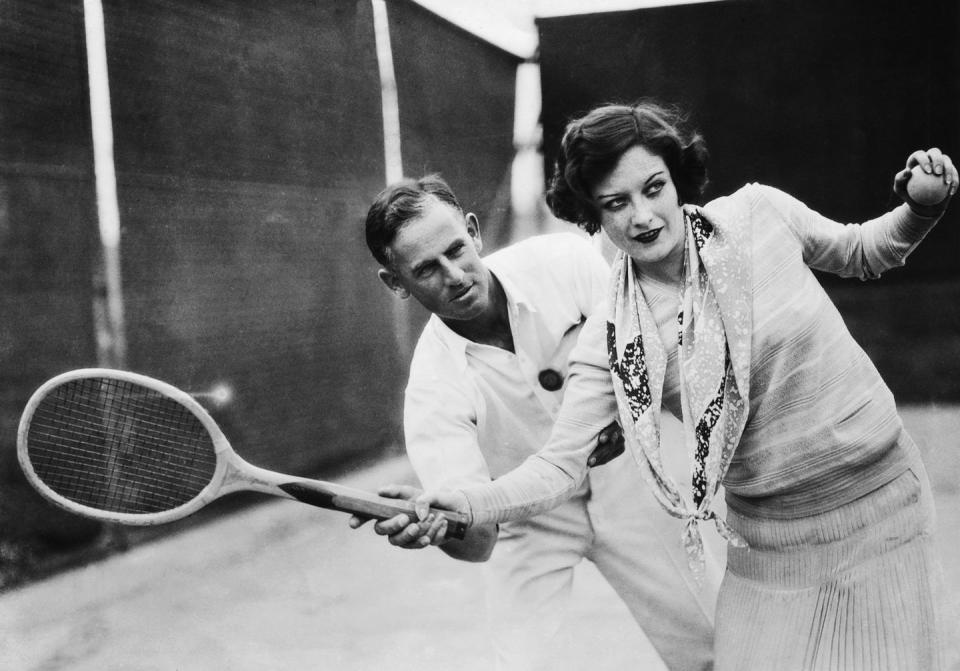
<point>714,323</point>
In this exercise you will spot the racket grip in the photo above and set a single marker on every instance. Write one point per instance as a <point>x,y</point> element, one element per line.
<point>456,523</point>
<point>358,502</point>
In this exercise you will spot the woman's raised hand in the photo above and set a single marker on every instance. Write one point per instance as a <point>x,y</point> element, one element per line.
<point>927,182</point>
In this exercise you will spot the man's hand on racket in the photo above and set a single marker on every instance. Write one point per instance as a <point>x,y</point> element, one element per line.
<point>402,530</point>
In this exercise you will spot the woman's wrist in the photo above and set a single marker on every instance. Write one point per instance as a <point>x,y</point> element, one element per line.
<point>926,212</point>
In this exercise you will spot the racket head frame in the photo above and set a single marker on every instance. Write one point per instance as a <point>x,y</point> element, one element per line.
<point>221,445</point>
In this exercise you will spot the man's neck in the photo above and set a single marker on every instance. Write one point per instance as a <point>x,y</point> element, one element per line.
<point>492,327</point>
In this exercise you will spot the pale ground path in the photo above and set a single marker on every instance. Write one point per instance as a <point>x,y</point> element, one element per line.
<point>283,585</point>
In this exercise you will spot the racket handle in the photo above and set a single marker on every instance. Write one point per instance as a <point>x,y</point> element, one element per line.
<point>359,502</point>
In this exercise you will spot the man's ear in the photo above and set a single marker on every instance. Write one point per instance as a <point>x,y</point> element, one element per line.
<point>473,229</point>
<point>390,279</point>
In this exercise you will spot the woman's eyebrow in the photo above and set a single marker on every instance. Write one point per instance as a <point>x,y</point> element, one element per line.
<point>645,182</point>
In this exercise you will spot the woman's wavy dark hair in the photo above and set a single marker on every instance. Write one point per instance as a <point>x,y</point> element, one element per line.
<point>593,144</point>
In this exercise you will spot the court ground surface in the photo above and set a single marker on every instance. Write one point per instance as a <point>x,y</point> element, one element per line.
<point>283,585</point>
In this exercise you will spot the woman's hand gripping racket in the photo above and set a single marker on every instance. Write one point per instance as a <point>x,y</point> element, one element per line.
<point>124,447</point>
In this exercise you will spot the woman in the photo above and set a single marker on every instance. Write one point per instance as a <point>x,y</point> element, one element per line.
<point>714,315</point>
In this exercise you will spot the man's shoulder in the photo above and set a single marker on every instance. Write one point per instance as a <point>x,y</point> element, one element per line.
<point>432,343</point>
<point>547,244</point>
<point>435,357</point>
<point>549,254</point>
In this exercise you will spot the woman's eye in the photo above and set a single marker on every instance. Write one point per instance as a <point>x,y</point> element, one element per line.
<point>614,204</point>
<point>655,188</point>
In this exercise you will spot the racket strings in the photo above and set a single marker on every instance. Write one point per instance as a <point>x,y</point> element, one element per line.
<point>118,446</point>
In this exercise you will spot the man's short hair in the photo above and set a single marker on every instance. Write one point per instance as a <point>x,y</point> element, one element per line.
<point>399,203</point>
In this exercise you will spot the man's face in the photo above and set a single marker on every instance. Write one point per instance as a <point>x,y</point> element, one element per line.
<point>436,259</point>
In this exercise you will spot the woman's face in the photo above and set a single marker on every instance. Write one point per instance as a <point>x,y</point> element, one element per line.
<point>640,212</point>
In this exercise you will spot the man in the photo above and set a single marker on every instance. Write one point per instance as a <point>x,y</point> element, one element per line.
<point>486,382</point>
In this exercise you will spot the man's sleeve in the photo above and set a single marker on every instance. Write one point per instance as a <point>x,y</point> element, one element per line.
<point>591,277</point>
<point>552,475</point>
<point>440,430</point>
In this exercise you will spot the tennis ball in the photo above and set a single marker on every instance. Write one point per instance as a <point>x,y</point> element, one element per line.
<point>925,188</point>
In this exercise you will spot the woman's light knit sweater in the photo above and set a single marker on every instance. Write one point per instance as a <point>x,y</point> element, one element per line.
<point>823,428</point>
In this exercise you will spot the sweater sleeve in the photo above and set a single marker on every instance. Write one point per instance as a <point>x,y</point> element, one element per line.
<point>551,476</point>
<point>862,250</point>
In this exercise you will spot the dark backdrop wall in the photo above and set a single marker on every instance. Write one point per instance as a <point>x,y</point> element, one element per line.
<point>248,144</point>
<point>248,139</point>
<point>456,99</point>
<point>48,239</point>
<point>456,95</point>
<point>822,99</point>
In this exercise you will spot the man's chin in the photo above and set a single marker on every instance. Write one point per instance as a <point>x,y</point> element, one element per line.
<point>465,311</point>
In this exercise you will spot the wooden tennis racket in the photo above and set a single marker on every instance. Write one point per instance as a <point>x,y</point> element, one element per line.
<point>123,447</point>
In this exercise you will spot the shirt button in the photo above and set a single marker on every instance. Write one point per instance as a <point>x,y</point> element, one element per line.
<point>550,379</point>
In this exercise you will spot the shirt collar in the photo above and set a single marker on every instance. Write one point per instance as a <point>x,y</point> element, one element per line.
<point>457,344</point>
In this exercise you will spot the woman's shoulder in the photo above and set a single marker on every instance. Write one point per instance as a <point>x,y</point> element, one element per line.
<point>751,200</point>
<point>551,252</point>
<point>750,193</point>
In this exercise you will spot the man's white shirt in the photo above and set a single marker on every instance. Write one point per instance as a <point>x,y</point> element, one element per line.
<point>474,412</point>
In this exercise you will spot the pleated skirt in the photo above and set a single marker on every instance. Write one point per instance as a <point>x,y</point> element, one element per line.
<point>852,589</point>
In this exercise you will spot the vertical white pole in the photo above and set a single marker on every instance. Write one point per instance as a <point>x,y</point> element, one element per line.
<point>388,91</point>
<point>111,339</point>
<point>392,158</point>
<point>526,174</point>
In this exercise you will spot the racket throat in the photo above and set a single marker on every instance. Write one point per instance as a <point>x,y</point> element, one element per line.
<point>241,476</point>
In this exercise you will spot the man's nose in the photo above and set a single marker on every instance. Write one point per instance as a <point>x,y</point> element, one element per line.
<point>453,273</point>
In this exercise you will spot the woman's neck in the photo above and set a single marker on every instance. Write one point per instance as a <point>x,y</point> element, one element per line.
<point>668,272</point>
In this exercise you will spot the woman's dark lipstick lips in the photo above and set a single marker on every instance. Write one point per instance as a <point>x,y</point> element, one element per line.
<point>648,236</point>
